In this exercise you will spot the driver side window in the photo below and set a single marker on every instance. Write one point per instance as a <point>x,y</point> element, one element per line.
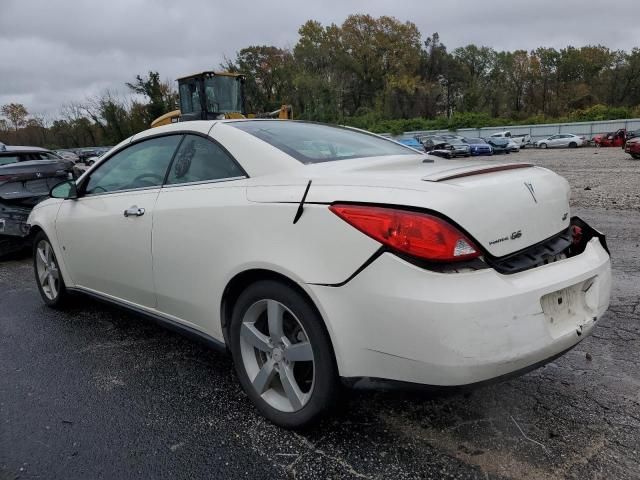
<point>138,166</point>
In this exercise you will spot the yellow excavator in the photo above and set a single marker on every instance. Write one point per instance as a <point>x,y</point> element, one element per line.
<point>214,96</point>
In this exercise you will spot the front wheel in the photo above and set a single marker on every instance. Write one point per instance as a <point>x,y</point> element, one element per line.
<point>48,276</point>
<point>283,354</point>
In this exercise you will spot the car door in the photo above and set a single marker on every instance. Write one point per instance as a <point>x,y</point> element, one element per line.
<point>106,233</point>
<point>192,228</point>
<point>563,141</point>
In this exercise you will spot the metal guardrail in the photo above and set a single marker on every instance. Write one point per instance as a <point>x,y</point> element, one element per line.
<point>537,132</point>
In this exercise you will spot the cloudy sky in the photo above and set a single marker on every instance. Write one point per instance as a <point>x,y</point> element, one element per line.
<point>56,51</point>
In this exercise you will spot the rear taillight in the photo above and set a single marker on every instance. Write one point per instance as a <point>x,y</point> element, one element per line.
<point>416,234</point>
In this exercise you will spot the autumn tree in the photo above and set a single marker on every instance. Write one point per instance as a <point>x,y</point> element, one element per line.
<point>16,113</point>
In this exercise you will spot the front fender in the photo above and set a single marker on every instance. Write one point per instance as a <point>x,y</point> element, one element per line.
<point>43,217</point>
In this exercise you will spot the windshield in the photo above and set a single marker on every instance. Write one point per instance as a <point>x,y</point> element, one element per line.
<point>474,140</point>
<point>223,94</point>
<point>315,143</point>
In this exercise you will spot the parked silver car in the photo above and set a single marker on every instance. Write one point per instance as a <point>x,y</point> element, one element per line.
<point>566,140</point>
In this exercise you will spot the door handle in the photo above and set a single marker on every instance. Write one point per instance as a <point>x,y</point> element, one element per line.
<point>134,212</point>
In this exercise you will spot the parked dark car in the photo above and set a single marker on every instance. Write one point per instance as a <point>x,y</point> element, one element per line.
<point>477,146</point>
<point>459,147</point>
<point>437,146</point>
<point>26,176</point>
<point>435,143</point>
<point>499,144</point>
<point>89,155</point>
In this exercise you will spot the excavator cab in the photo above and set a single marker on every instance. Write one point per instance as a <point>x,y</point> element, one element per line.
<point>214,96</point>
<point>211,96</point>
<point>207,96</point>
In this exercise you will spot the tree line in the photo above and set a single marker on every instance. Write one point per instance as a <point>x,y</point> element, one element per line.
<point>379,74</point>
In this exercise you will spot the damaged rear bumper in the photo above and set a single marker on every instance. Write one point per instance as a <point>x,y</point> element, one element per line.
<point>398,321</point>
<point>13,220</point>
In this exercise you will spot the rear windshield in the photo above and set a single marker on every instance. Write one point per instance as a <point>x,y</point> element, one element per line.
<point>315,143</point>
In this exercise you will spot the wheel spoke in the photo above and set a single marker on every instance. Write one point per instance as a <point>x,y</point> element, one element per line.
<point>299,352</point>
<point>264,377</point>
<point>43,275</point>
<point>47,252</point>
<point>275,314</point>
<point>250,333</point>
<point>42,255</point>
<point>52,286</point>
<point>291,389</point>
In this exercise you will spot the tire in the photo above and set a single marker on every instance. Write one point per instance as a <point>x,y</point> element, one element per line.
<point>523,146</point>
<point>573,145</point>
<point>261,351</point>
<point>47,272</point>
<point>543,145</point>
<point>636,156</point>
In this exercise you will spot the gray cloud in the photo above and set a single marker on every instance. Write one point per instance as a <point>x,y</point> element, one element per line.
<point>52,53</point>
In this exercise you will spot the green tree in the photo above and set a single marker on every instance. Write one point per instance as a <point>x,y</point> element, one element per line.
<point>161,96</point>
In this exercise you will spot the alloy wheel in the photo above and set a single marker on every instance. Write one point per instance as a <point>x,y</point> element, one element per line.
<point>47,270</point>
<point>277,355</point>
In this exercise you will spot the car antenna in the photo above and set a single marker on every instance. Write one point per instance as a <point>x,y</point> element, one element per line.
<point>301,206</point>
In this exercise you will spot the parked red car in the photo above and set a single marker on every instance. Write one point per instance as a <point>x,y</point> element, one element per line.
<point>633,147</point>
<point>611,139</point>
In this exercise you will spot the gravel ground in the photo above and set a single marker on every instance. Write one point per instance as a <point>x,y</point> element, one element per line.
<point>98,393</point>
<point>600,177</point>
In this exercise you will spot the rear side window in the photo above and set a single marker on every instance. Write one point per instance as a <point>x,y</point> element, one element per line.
<point>199,160</point>
<point>315,143</point>
<point>7,159</point>
<point>141,165</point>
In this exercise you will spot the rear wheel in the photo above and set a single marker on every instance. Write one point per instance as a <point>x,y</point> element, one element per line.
<point>636,156</point>
<point>48,277</point>
<point>543,145</point>
<point>283,354</point>
<point>573,145</point>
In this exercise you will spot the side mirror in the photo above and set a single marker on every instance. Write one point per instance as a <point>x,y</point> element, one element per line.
<point>65,190</point>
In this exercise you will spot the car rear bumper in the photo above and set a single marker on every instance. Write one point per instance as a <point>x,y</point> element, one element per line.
<point>401,322</point>
<point>13,220</point>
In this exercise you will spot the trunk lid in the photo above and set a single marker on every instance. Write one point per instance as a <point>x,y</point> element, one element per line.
<point>503,207</point>
<point>33,178</point>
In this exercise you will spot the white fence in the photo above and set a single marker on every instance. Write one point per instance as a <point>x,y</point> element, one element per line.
<point>586,129</point>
